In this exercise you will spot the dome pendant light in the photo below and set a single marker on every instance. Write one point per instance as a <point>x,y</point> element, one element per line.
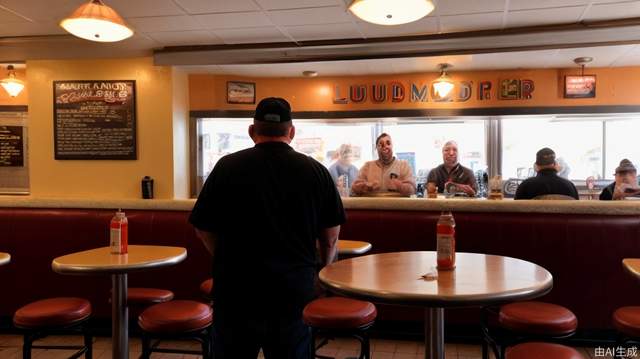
<point>385,12</point>
<point>11,84</point>
<point>443,84</point>
<point>96,21</point>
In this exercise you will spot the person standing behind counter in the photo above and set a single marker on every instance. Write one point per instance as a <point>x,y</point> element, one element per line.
<point>386,174</point>
<point>343,168</point>
<point>451,171</point>
<point>625,185</point>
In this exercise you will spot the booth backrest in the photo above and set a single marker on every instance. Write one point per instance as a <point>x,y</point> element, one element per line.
<point>583,252</point>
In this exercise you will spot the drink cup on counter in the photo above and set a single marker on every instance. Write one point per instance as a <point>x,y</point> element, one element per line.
<point>495,187</point>
<point>432,190</point>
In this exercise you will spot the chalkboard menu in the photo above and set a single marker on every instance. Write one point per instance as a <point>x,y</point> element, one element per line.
<point>11,146</point>
<point>94,120</point>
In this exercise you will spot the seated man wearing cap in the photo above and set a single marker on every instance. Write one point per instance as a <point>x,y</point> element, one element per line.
<point>260,213</point>
<point>625,184</point>
<point>387,174</point>
<point>547,180</point>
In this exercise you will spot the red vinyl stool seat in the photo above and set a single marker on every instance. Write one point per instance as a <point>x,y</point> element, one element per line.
<point>526,321</point>
<point>40,318</point>
<point>148,296</point>
<point>535,350</point>
<point>538,318</point>
<point>626,320</point>
<point>340,316</point>
<point>205,288</point>
<point>176,319</point>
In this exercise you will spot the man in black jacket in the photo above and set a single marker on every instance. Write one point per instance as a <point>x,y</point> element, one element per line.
<point>625,184</point>
<point>547,180</point>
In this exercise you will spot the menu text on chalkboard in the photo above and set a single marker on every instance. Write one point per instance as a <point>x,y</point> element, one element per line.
<point>94,120</point>
<point>11,146</point>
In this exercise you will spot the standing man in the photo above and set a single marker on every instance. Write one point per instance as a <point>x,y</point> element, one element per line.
<point>387,174</point>
<point>547,180</point>
<point>452,172</point>
<point>625,184</point>
<point>260,214</point>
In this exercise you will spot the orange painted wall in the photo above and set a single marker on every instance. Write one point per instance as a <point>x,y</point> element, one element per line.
<point>615,86</point>
<point>22,99</point>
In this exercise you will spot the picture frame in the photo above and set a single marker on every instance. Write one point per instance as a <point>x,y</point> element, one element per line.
<point>580,86</point>
<point>241,92</point>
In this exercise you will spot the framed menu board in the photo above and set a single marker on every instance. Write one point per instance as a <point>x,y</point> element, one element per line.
<point>94,120</point>
<point>11,146</point>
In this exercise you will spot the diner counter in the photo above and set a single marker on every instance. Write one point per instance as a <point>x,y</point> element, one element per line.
<point>627,207</point>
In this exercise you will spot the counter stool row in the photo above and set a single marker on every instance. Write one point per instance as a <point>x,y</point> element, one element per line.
<point>162,319</point>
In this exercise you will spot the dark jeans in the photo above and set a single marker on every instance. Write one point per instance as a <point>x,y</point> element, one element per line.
<point>241,337</point>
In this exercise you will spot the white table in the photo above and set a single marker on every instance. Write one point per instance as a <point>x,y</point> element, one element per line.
<point>396,278</point>
<point>101,261</point>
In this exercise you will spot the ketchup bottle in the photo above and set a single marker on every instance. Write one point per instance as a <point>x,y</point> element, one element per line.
<point>446,241</point>
<point>119,234</point>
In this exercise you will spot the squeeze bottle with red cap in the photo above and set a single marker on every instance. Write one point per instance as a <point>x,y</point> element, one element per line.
<point>446,241</point>
<point>119,236</point>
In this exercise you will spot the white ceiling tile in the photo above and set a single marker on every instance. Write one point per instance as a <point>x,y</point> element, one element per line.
<point>38,10</point>
<point>603,56</point>
<point>454,7</point>
<point>177,38</point>
<point>471,22</point>
<point>541,4</point>
<point>322,15</point>
<point>613,11</point>
<point>426,25</point>
<point>233,20</point>
<point>142,8</point>
<point>7,16</point>
<point>211,6</point>
<point>323,32</point>
<point>544,16</point>
<point>164,23</point>
<point>297,4</point>
<point>630,58</point>
<point>249,35</point>
<point>26,28</point>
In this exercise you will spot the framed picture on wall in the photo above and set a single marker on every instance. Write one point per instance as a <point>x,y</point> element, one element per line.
<point>580,86</point>
<point>241,92</point>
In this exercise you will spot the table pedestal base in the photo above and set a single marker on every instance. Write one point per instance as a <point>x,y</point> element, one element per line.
<point>434,333</point>
<point>119,316</point>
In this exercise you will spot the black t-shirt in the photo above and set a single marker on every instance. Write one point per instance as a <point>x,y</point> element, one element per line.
<point>607,192</point>
<point>459,174</point>
<point>267,205</point>
<point>546,181</point>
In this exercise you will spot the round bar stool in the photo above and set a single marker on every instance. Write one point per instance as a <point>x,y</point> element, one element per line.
<point>626,320</point>
<point>342,317</point>
<point>533,350</point>
<point>526,321</point>
<point>54,315</point>
<point>205,288</point>
<point>176,319</point>
<point>148,296</point>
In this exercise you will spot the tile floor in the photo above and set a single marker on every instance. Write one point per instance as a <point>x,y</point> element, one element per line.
<point>11,348</point>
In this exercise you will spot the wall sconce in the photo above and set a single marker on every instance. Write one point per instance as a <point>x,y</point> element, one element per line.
<point>11,84</point>
<point>443,84</point>
<point>385,12</point>
<point>96,21</point>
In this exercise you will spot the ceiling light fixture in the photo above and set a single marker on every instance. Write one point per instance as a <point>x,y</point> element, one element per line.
<point>96,21</point>
<point>443,84</point>
<point>309,73</point>
<point>582,62</point>
<point>11,84</point>
<point>385,12</point>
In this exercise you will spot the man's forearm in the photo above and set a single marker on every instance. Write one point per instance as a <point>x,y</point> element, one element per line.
<point>328,240</point>
<point>208,239</point>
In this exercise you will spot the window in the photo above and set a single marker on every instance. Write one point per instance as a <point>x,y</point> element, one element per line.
<point>621,142</point>
<point>576,142</point>
<point>420,142</point>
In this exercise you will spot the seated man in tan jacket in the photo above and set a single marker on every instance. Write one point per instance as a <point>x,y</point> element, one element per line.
<point>386,174</point>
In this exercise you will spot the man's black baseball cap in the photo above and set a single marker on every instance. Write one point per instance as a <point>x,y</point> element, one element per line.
<point>274,110</point>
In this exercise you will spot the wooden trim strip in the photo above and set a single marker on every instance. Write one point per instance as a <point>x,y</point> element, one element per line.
<point>13,108</point>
